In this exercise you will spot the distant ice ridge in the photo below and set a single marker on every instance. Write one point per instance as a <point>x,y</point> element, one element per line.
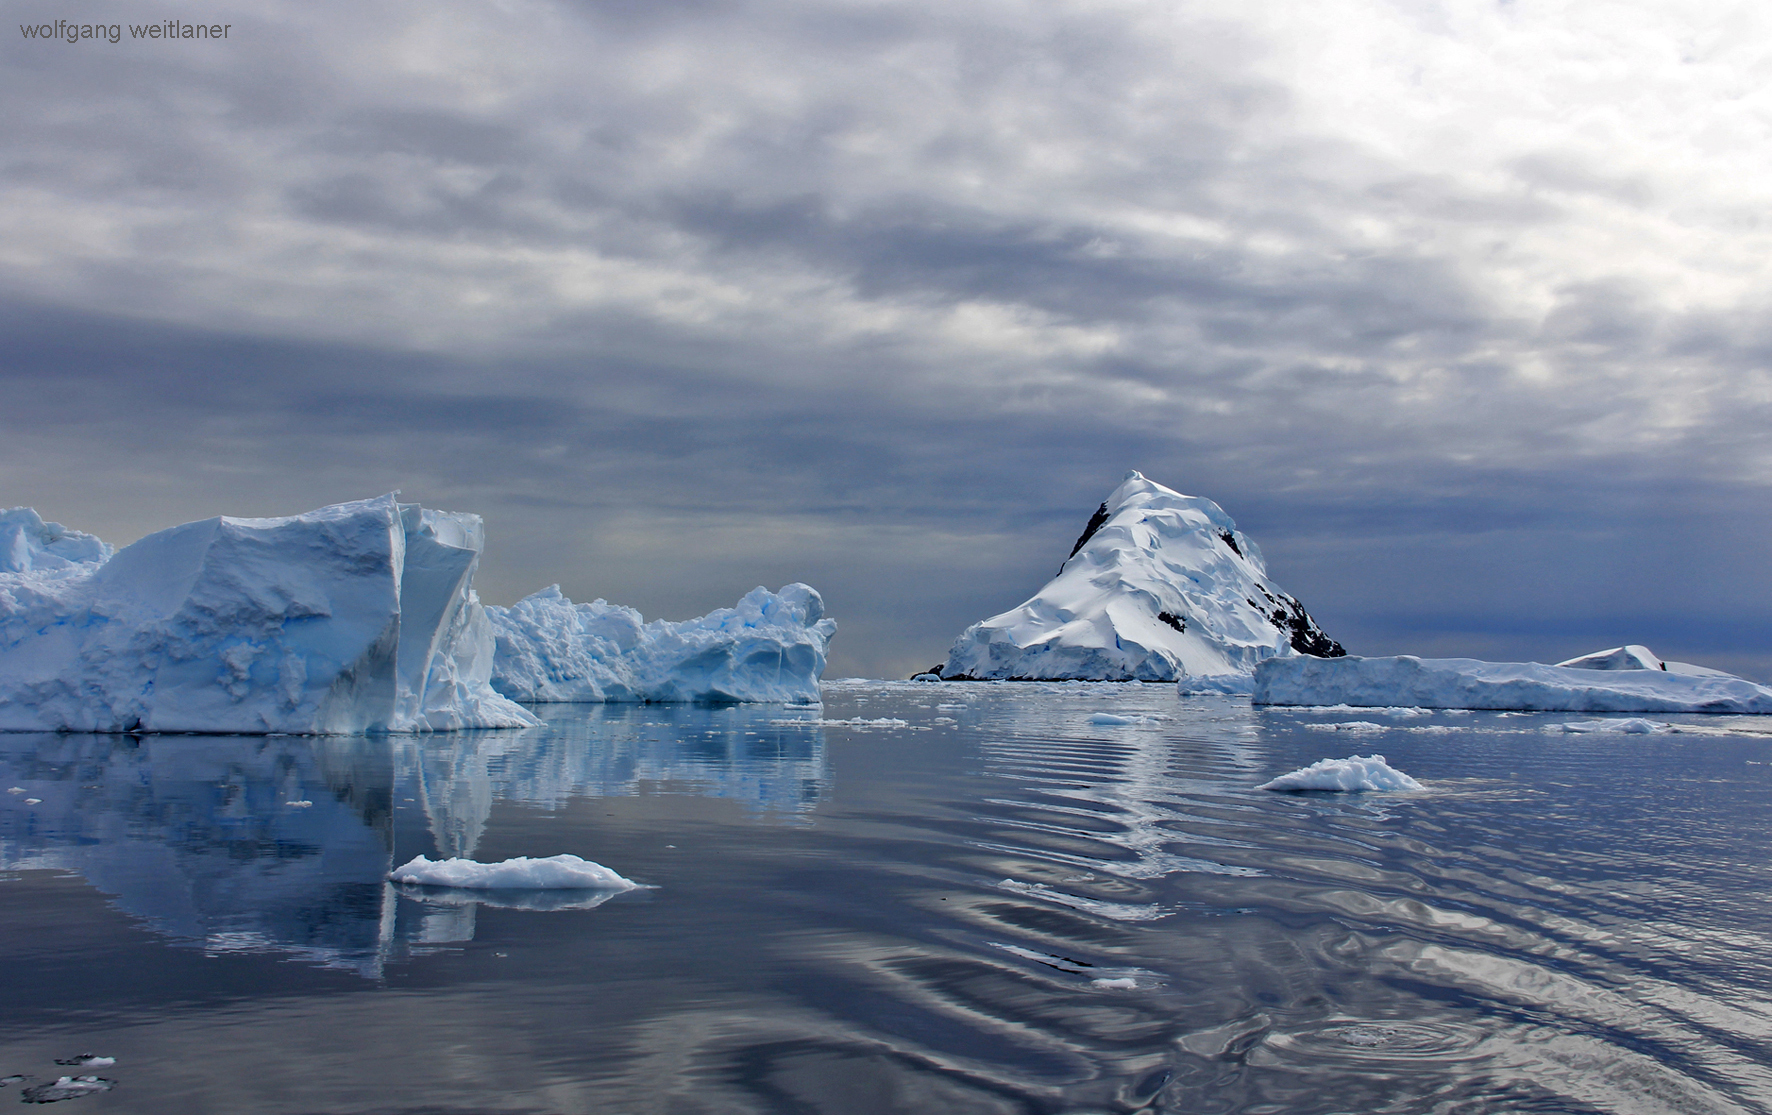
<point>1161,586</point>
<point>1638,657</point>
<point>30,545</point>
<point>1469,683</point>
<point>563,872</point>
<point>359,617</point>
<point>1355,773</point>
<point>770,646</point>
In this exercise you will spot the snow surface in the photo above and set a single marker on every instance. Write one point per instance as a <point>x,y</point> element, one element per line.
<point>1160,586</point>
<point>563,872</point>
<point>358,617</point>
<point>1638,657</point>
<point>30,545</point>
<point>1472,684</point>
<point>770,646</point>
<point>1355,773</point>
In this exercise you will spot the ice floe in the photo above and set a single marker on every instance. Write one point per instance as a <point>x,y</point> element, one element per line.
<point>1353,774</point>
<point>67,1088</point>
<point>562,872</point>
<point>1160,586</point>
<point>1466,683</point>
<point>1632,726</point>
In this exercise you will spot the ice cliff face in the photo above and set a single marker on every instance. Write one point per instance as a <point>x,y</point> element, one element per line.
<point>771,646</point>
<point>1160,586</point>
<point>358,617</point>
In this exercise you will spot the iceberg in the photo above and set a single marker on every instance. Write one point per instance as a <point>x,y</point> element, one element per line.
<point>1525,686</point>
<point>359,617</point>
<point>562,872</point>
<point>30,545</point>
<point>1161,586</point>
<point>770,646</point>
<point>1354,774</point>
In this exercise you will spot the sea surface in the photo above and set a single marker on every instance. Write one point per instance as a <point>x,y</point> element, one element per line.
<point>930,898</point>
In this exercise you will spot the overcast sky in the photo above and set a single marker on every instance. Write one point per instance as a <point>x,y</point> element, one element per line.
<point>1461,310</point>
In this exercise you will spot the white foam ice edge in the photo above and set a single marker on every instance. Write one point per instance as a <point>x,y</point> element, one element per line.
<point>561,872</point>
<point>1356,773</point>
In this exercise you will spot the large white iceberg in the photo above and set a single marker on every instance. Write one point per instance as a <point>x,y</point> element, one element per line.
<point>359,617</point>
<point>770,646</point>
<point>1160,586</point>
<point>1469,683</point>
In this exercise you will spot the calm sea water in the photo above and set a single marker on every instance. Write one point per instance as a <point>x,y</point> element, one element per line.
<point>976,901</point>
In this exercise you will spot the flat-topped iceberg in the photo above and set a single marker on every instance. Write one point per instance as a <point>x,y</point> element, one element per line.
<point>1161,586</point>
<point>1469,683</point>
<point>359,617</point>
<point>770,646</point>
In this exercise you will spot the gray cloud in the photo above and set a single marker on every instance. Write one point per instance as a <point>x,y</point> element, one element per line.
<point>690,297</point>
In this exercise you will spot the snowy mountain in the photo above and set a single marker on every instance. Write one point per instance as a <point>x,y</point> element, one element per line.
<point>1161,586</point>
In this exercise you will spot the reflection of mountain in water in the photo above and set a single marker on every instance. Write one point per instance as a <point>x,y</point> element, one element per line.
<point>284,843</point>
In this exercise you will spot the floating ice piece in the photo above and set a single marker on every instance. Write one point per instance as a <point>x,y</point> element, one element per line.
<point>1160,585</point>
<point>1124,983</point>
<point>13,1079</point>
<point>67,1088</point>
<point>563,872</point>
<point>1633,726</point>
<point>864,722</point>
<point>770,646</point>
<point>1355,773</point>
<point>1114,719</point>
<point>87,1061</point>
<point>352,618</point>
<point>1471,684</point>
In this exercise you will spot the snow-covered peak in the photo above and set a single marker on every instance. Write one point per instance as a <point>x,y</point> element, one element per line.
<point>1160,585</point>
<point>28,544</point>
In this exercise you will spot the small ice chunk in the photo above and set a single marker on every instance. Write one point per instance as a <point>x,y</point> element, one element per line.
<point>1115,984</point>
<point>13,1079</point>
<point>864,722</point>
<point>33,801</point>
<point>1355,773</point>
<point>303,804</point>
<point>1634,726</point>
<point>86,1061</point>
<point>562,872</point>
<point>15,789</point>
<point>1113,719</point>
<point>67,1088</point>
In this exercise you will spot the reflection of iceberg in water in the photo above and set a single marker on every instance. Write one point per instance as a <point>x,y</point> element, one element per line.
<point>284,843</point>
<point>748,753</point>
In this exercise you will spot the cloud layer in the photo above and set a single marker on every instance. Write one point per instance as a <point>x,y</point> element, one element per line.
<point>1460,309</point>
